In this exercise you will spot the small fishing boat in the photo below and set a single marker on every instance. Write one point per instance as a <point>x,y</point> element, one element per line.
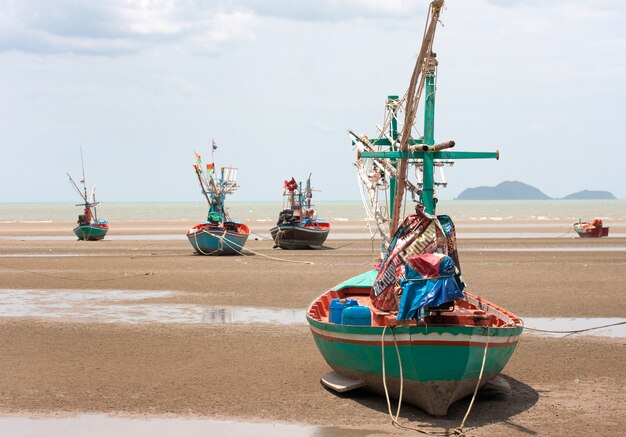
<point>595,229</point>
<point>441,355</point>
<point>298,225</point>
<point>219,234</point>
<point>89,228</point>
<point>410,328</point>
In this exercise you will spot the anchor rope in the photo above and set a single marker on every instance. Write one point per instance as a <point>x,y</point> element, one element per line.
<point>459,431</point>
<point>279,236</point>
<point>263,237</point>
<point>219,247</point>
<point>565,233</point>
<point>576,331</point>
<point>394,420</point>
<point>77,279</point>
<point>238,248</point>
<point>269,256</point>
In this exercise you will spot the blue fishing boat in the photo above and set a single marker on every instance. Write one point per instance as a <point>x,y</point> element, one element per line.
<point>219,234</point>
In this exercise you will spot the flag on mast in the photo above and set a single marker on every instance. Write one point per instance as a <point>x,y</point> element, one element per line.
<point>213,143</point>
<point>199,158</point>
<point>210,168</point>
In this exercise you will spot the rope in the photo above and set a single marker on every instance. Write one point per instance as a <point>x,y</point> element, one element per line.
<point>369,229</point>
<point>262,236</point>
<point>269,256</point>
<point>279,236</point>
<point>78,279</point>
<point>575,331</point>
<point>366,205</point>
<point>156,255</point>
<point>236,247</point>
<point>459,431</point>
<point>394,420</point>
<point>220,245</point>
<point>565,233</point>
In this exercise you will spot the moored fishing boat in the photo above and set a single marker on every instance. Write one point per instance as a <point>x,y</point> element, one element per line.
<point>595,229</point>
<point>89,228</point>
<point>219,234</point>
<point>441,355</point>
<point>298,225</point>
<point>410,328</point>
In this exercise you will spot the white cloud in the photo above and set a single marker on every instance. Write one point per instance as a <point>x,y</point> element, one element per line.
<point>335,10</point>
<point>223,30</point>
<point>120,26</point>
<point>115,27</point>
<point>535,79</point>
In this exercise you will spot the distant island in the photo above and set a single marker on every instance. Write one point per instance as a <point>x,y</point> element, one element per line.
<point>589,194</point>
<point>515,190</point>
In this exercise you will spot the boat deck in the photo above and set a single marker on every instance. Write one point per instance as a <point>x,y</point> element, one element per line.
<point>470,311</point>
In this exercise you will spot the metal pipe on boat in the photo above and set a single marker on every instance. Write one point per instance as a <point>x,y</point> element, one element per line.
<point>438,147</point>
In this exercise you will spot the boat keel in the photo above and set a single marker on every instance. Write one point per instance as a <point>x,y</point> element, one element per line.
<point>338,383</point>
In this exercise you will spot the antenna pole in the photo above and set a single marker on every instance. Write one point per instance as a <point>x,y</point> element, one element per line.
<point>413,96</point>
<point>428,191</point>
<point>82,164</point>
<point>392,107</point>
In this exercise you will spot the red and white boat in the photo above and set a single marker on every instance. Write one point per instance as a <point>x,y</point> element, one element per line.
<point>595,229</point>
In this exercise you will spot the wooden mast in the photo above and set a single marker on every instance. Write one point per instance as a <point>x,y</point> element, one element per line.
<point>423,152</point>
<point>414,92</point>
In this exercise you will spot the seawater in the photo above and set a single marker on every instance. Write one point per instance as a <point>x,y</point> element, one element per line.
<point>335,211</point>
<point>101,425</point>
<point>135,307</point>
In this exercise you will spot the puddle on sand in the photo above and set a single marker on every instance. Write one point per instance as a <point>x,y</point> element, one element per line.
<point>523,235</point>
<point>160,237</point>
<point>47,255</point>
<point>253,315</point>
<point>546,249</point>
<point>129,306</point>
<point>100,425</point>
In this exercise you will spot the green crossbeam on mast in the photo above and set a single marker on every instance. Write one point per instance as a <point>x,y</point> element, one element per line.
<point>428,153</point>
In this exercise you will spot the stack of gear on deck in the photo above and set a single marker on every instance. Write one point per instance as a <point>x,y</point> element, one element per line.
<point>429,281</point>
<point>419,234</point>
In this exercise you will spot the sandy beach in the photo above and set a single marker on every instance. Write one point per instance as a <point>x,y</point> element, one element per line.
<point>266,372</point>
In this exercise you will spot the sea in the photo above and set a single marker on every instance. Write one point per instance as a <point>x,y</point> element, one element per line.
<point>492,212</point>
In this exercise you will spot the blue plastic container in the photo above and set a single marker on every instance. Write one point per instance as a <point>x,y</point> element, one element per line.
<point>337,306</point>
<point>356,315</point>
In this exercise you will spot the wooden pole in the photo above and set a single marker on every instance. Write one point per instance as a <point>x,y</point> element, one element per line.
<point>413,94</point>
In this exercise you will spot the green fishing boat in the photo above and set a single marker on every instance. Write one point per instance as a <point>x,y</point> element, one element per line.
<point>89,228</point>
<point>411,328</point>
<point>91,231</point>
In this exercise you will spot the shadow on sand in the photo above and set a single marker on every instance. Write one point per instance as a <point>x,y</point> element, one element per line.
<point>490,407</point>
<point>300,249</point>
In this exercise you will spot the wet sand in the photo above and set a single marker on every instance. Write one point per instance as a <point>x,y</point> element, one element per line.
<point>564,386</point>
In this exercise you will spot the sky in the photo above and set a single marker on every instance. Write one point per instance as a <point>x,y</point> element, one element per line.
<point>142,84</point>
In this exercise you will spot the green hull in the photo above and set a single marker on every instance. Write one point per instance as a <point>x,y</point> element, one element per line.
<point>441,364</point>
<point>90,232</point>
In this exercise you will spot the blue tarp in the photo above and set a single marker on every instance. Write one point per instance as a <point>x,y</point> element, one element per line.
<point>419,292</point>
